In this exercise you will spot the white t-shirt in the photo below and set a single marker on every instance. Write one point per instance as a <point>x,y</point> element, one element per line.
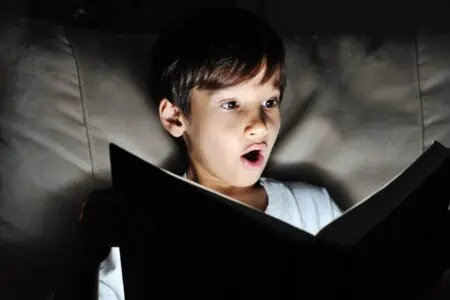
<point>299,204</point>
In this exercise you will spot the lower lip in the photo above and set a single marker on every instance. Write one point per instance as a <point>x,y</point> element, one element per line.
<point>253,165</point>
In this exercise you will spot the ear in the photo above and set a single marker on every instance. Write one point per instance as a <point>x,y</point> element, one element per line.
<point>172,118</point>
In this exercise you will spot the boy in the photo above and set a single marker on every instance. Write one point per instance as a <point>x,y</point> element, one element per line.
<point>219,81</point>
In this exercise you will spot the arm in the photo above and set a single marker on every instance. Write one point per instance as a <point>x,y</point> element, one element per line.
<point>110,283</point>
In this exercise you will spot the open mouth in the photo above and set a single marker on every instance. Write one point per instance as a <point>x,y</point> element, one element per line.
<point>252,156</point>
<point>253,159</point>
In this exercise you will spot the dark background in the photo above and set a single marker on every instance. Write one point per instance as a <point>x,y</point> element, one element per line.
<point>115,16</point>
<point>149,16</point>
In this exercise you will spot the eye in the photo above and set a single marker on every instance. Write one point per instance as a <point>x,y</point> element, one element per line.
<point>230,105</point>
<point>271,103</point>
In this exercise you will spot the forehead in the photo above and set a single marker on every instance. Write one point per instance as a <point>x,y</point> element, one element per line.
<point>255,84</point>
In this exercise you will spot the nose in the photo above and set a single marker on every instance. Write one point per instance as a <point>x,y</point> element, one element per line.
<point>256,128</point>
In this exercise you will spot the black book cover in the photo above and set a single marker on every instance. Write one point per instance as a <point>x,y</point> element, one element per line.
<point>184,239</point>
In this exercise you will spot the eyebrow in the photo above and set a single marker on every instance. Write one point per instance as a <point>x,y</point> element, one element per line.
<point>211,93</point>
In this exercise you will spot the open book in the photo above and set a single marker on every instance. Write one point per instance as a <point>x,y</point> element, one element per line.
<point>184,239</point>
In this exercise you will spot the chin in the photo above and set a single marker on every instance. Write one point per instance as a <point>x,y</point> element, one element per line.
<point>246,180</point>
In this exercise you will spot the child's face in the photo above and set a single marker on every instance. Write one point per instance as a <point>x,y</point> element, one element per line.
<point>228,123</point>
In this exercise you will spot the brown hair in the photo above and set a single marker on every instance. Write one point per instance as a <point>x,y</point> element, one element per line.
<point>213,49</point>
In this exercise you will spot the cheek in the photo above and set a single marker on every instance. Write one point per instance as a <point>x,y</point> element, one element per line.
<point>221,137</point>
<point>273,124</point>
<point>274,121</point>
<point>215,136</point>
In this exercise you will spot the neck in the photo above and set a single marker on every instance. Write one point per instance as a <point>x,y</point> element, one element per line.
<point>213,183</point>
<point>254,195</point>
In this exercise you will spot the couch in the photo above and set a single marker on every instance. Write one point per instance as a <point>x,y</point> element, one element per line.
<point>357,111</point>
